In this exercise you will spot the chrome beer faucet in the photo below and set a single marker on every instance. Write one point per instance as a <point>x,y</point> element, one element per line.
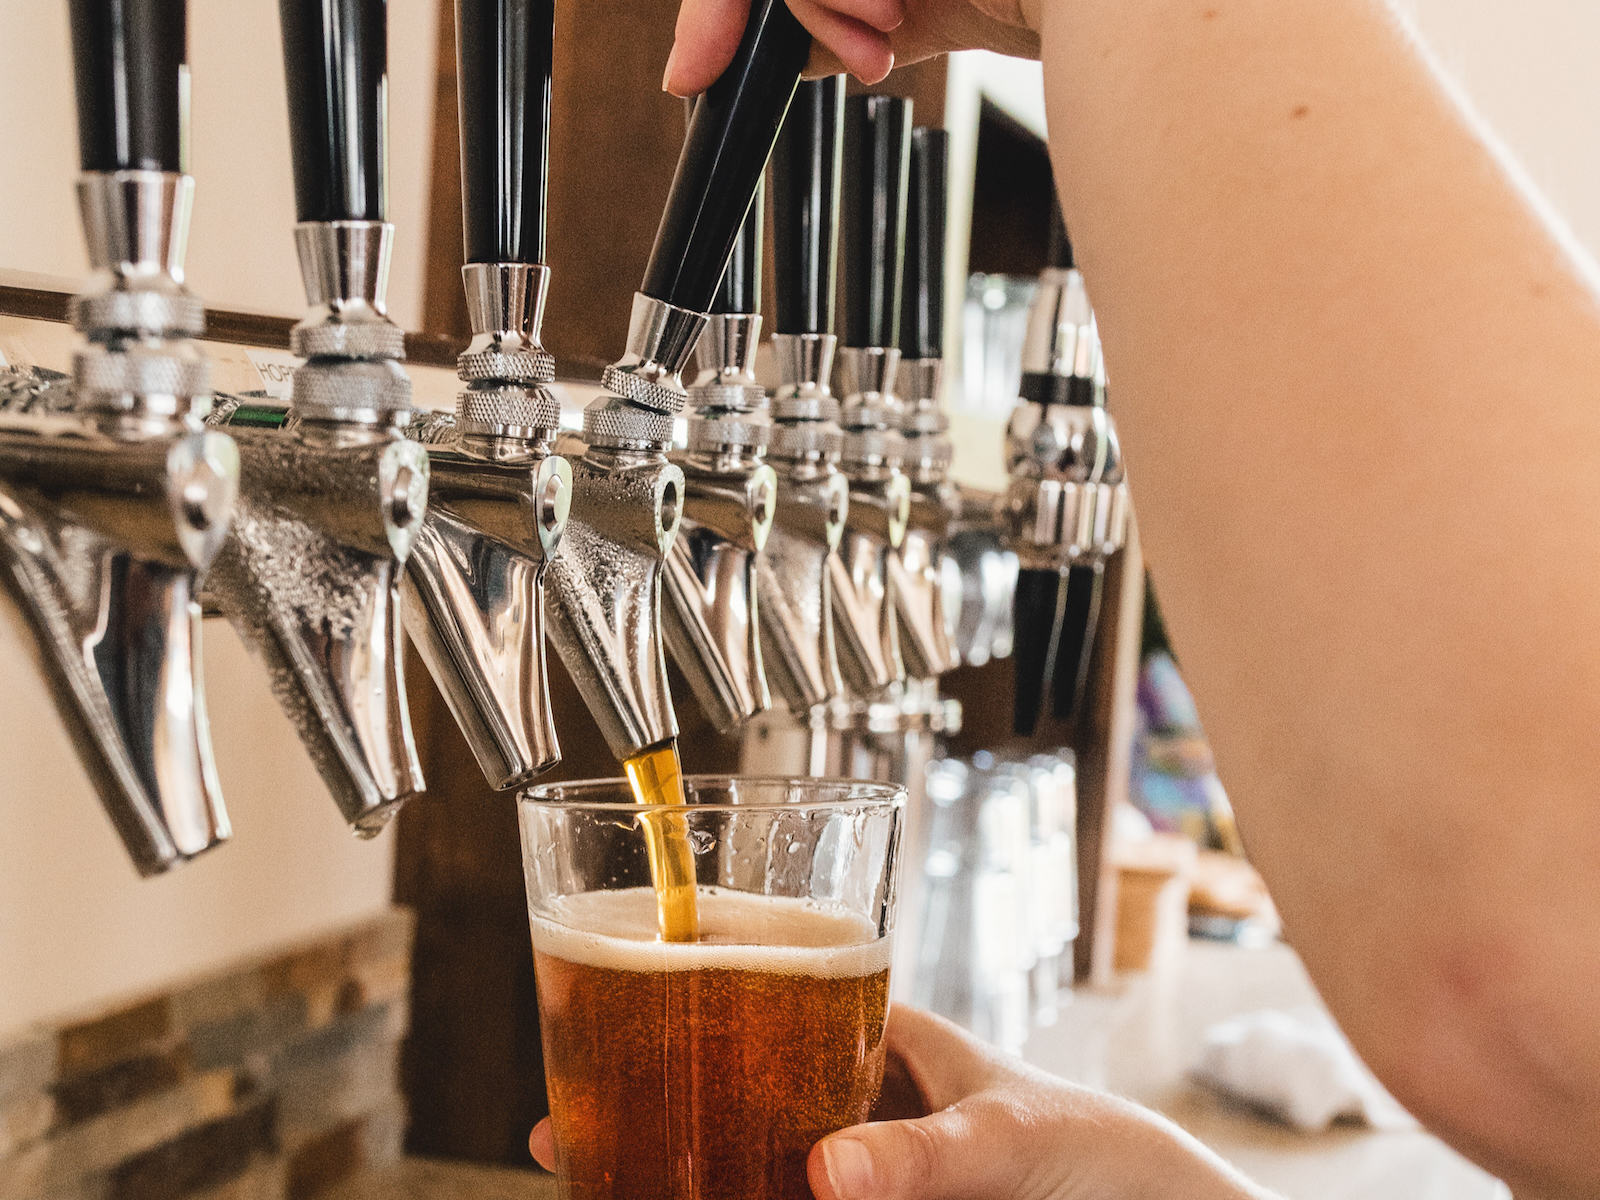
<point>712,617</point>
<point>1066,508</point>
<point>498,498</point>
<point>918,569</point>
<point>605,586</point>
<point>331,504</point>
<point>877,144</point>
<point>113,500</point>
<point>795,575</point>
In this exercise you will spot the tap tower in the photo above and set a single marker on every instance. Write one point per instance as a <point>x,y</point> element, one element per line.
<point>1066,508</point>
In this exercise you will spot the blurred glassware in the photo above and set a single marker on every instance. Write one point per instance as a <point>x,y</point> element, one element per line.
<point>1000,894</point>
<point>994,320</point>
<point>988,576</point>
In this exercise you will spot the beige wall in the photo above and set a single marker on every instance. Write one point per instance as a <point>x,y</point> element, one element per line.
<point>241,249</point>
<point>1529,66</point>
<point>77,927</point>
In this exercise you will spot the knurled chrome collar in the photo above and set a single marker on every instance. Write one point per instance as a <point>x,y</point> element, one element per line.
<point>810,405</point>
<point>925,422</point>
<point>136,371</point>
<point>729,397</point>
<point>361,390</point>
<point>523,366</point>
<point>871,411</point>
<point>873,448</point>
<point>507,411</point>
<point>928,453</point>
<point>333,338</point>
<point>805,440</point>
<point>625,426</point>
<point>712,433</point>
<point>162,313</point>
<point>661,398</point>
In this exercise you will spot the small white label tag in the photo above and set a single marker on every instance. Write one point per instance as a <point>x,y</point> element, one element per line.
<point>276,369</point>
<point>4,365</point>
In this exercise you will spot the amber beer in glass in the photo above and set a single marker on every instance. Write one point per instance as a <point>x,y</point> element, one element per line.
<point>707,1070</point>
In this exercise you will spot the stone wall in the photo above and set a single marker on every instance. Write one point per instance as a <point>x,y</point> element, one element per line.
<point>270,1081</point>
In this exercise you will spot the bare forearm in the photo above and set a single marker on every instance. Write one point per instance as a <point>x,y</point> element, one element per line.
<point>1355,376</point>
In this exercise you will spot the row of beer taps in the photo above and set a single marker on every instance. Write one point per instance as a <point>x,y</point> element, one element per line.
<point>792,547</point>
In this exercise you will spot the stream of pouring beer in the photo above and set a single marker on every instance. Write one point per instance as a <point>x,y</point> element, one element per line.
<point>656,777</point>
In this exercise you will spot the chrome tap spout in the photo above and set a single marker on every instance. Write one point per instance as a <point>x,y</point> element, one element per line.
<point>102,541</point>
<point>330,506</point>
<point>474,587</point>
<point>113,502</point>
<point>865,625</point>
<point>712,619</point>
<point>604,599</point>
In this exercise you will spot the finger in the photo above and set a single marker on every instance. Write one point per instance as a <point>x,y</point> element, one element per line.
<point>860,49</point>
<point>882,15</point>
<point>822,63</point>
<point>959,1154</point>
<point>542,1145</point>
<point>703,42</point>
<point>946,1062</point>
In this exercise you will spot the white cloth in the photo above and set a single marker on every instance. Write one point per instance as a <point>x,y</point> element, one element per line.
<point>1298,1066</point>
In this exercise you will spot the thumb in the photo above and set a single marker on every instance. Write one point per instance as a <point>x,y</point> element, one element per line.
<point>958,1154</point>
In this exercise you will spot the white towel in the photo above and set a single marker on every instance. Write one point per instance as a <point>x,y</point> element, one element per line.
<point>1298,1066</point>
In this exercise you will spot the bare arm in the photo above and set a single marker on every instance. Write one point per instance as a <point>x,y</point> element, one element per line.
<point>1356,377</point>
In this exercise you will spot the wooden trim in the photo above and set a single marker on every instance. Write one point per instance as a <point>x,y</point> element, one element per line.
<point>223,325</point>
<point>1105,754</point>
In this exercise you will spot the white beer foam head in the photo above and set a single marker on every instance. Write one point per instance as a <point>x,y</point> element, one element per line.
<point>739,931</point>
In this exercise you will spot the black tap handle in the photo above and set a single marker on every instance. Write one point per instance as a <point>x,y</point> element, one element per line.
<point>504,53</point>
<point>1058,251</point>
<point>730,138</point>
<point>805,206</point>
<point>740,289</point>
<point>336,60</point>
<point>128,57</point>
<point>922,306</point>
<point>1080,618</point>
<point>1035,626</point>
<point>877,152</point>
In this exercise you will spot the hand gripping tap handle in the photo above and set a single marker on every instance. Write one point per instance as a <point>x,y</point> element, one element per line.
<point>922,302</point>
<point>335,58</point>
<point>730,138</point>
<point>128,61</point>
<point>805,206</point>
<point>504,52</point>
<point>877,152</point>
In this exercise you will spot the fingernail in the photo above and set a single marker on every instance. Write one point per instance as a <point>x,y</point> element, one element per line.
<point>849,1167</point>
<point>666,76</point>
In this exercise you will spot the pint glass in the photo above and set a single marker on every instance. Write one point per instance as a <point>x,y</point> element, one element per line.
<point>707,1070</point>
